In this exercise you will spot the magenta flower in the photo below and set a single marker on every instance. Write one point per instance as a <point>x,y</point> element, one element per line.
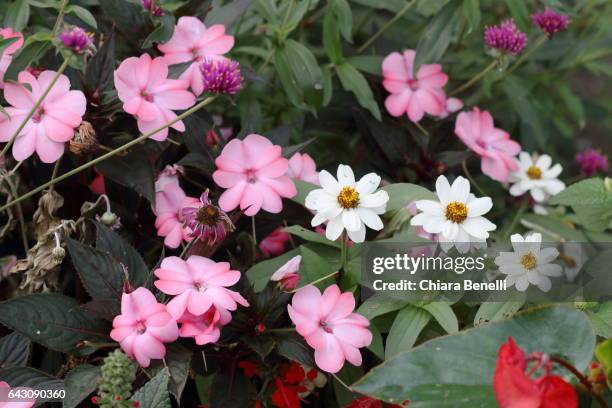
<point>550,21</point>
<point>205,328</point>
<point>329,326</point>
<point>493,145</point>
<point>197,284</point>
<point>153,8</point>
<point>274,243</point>
<point>77,39</point>
<point>506,37</point>
<point>221,76</point>
<point>253,172</point>
<point>53,123</point>
<point>413,95</point>
<point>143,326</point>
<point>147,93</point>
<point>303,167</point>
<point>7,55</point>
<point>287,275</point>
<point>592,161</point>
<point>193,41</point>
<point>207,222</point>
<point>170,199</point>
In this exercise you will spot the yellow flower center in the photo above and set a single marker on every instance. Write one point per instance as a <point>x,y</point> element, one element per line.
<point>534,173</point>
<point>456,212</point>
<point>529,261</point>
<point>208,215</point>
<point>348,198</point>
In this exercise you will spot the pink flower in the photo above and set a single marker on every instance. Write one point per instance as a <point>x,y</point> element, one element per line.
<point>505,38</point>
<point>7,55</point>
<point>143,326</point>
<point>147,93</point>
<point>193,41</point>
<point>493,145</point>
<point>51,126</point>
<point>287,275</point>
<point>205,328</point>
<point>274,243</point>
<point>170,199</point>
<point>14,404</point>
<point>414,96</point>
<point>253,172</point>
<point>197,284</point>
<point>329,325</point>
<point>303,167</point>
<point>451,105</point>
<point>592,161</point>
<point>550,22</point>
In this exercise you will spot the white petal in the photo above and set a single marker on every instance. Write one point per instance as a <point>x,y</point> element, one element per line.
<point>553,270</point>
<point>525,160</point>
<point>543,162</point>
<point>460,189</point>
<point>553,187</point>
<point>359,235</point>
<point>548,255</point>
<point>318,219</point>
<point>537,194</point>
<point>329,183</point>
<point>350,219</point>
<point>334,228</point>
<point>430,207</point>
<point>553,172</point>
<point>449,230</point>
<point>370,219</point>
<point>521,283</point>
<point>318,199</point>
<point>443,190</point>
<point>433,224</point>
<point>368,184</point>
<point>346,176</point>
<point>378,199</point>
<point>544,284</point>
<point>517,190</point>
<point>479,206</point>
<point>478,227</point>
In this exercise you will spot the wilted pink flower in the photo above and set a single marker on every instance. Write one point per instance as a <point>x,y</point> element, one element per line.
<point>493,145</point>
<point>205,328</point>
<point>15,404</point>
<point>7,55</point>
<point>274,243</point>
<point>207,222</point>
<point>303,167</point>
<point>147,93</point>
<point>253,172</point>
<point>193,41</point>
<point>287,275</point>
<point>592,161</point>
<point>550,21</point>
<point>409,94</point>
<point>53,123</point>
<point>143,326</point>
<point>451,105</point>
<point>221,76</point>
<point>170,199</point>
<point>77,39</point>
<point>197,284</point>
<point>506,37</point>
<point>329,326</point>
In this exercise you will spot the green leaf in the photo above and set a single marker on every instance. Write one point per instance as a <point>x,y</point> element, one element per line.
<point>344,18</point>
<point>354,81</point>
<point>444,315</point>
<point>603,352</point>
<point>519,12</point>
<point>471,11</point>
<point>310,236</point>
<point>586,192</point>
<point>573,103</point>
<point>14,350</point>
<point>294,348</point>
<point>33,49</point>
<point>551,227</point>
<point>128,17</point>
<point>32,378</point>
<point>178,359</point>
<point>376,346</point>
<point>5,42</point>
<point>53,320</point>
<point>317,262</point>
<point>289,151</point>
<point>303,188</point>
<point>306,72</point>
<point>380,304</point>
<point>402,194</point>
<point>17,15</point>
<point>80,382</point>
<point>154,394</point>
<point>116,246</point>
<point>348,374</point>
<point>162,32</point>
<point>100,273</point>
<point>462,364</point>
<point>601,319</point>
<point>175,70</point>
<point>496,311</point>
<point>437,35</point>
<point>372,64</point>
<point>259,274</point>
<point>134,170</point>
<point>100,70</point>
<point>408,324</point>
<point>83,14</point>
<point>331,38</point>
<point>231,389</point>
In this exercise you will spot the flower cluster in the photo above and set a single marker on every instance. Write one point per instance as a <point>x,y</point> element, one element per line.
<point>77,39</point>
<point>221,76</point>
<point>592,161</point>
<point>550,21</point>
<point>505,37</point>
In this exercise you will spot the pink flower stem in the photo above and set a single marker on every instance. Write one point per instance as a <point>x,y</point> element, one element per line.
<point>474,79</point>
<point>384,28</point>
<point>583,380</point>
<point>110,154</point>
<point>35,107</point>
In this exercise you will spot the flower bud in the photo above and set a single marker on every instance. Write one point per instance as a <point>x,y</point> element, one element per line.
<point>58,253</point>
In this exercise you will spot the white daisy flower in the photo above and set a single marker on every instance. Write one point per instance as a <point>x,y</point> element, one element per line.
<point>457,217</point>
<point>536,176</point>
<point>346,204</point>
<point>529,263</point>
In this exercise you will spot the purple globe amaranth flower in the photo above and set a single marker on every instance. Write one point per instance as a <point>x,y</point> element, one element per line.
<point>207,222</point>
<point>153,8</point>
<point>77,39</point>
<point>550,21</point>
<point>591,161</point>
<point>221,76</point>
<point>506,37</point>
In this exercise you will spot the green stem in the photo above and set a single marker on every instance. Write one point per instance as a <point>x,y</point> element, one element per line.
<point>539,42</point>
<point>54,173</point>
<point>474,79</point>
<point>343,250</point>
<point>421,128</point>
<point>254,233</point>
<point>517,217</point>
<point>321,279</point>
<point>187,248</point>
<point>469,176</point>
<point>583,380</point>
<point>60,17</point>
<point>35,107</point>
<point>281,330</point>
<point>384,28</point>
<point>110,154</point>
<point>22,227</point>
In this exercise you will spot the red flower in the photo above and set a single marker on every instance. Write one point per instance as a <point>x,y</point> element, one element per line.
<point>250,369</point>
<point>286,396</point>
<point>368,402</point>
<point>293,374</point>
<point>516,389</point>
